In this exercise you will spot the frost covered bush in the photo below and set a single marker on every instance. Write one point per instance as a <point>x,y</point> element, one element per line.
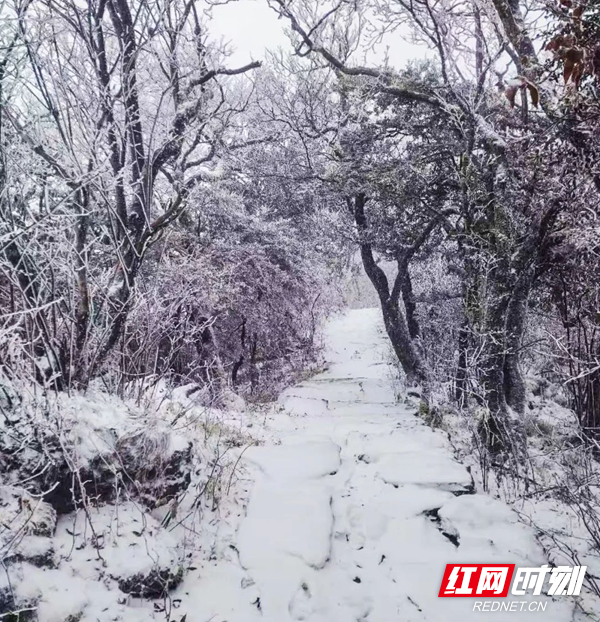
<point>238,310</point>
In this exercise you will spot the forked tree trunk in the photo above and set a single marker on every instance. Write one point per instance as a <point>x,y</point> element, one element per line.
<point>394,320</point>
<point>404,348</point>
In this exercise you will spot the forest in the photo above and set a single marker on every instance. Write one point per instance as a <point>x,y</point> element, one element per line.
<point>173,222</point>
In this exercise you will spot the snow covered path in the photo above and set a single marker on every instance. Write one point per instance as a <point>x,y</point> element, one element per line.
<point>355,514</point>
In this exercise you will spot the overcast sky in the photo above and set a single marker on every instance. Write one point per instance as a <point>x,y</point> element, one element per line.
<point>252,28</point>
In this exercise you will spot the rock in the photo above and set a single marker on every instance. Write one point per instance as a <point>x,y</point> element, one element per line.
<point>144,559</point>
<point>78,455</point>
<point>16,600</point>
<point>99,479</point>
<point>231,401</point>
<point>32,524</point>
<point>39,517</point>
<point>36,550</point>
<point>11,604</point>
<point>154,584</point>
<point>63,597</point>
<point>156,462</point>
<point>444,526</point>
<point>44,443</point>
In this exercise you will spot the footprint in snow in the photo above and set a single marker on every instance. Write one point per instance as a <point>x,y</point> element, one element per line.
<point>301,606</point>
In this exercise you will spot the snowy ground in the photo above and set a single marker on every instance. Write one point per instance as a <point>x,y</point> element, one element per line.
<point>355,513</point>
<point>337,505</point>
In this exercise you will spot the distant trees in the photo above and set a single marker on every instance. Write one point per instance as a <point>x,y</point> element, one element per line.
<point>232,299</point>
<point>393,192</point>
<point>497,189</point>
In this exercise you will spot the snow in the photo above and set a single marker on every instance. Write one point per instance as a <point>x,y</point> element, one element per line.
<point>343,506</point>
<point>131,542</point>
<point>425,469</point>
<point>341,522</point>
<point>549,501</point>
<point>304,461</point>
<point>61,600</point>
<point>93,423</point>
<point>32,547</point>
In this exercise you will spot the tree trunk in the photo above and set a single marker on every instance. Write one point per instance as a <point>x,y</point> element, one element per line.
<point>514,383</point>
<point>496,432</point>
<point>408,298</point>
<point>460,393</point>
<point>240,361</point>
<point>502,431</point>
<point>404,348</point>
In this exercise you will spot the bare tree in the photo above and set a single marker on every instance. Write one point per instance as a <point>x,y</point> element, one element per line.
<point>124,105</point>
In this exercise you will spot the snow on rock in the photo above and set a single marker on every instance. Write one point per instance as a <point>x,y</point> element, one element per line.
<point>490,530</point>
<point>132,549</point>
<point>231,401</point>
<point>425,468</point>
<point>27,527</point>
<point>37,550</point>
<point>67,447</point>
<point>292,462</point>
<point>288,526</point>
<point>146,500</point>
<point>95,552</point>
<point>59,600</point>
<point>25,514</point>
<point>156,460</point>
<point>59,595</point>
<point>288,520</point>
